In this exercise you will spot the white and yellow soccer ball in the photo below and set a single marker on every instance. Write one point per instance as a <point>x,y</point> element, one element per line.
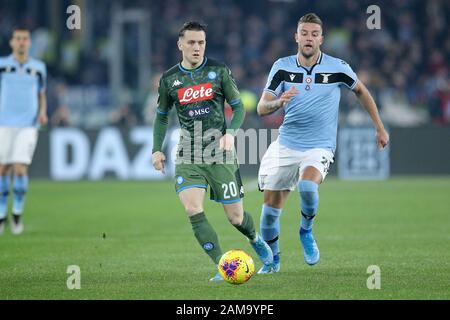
<point>236,266</point>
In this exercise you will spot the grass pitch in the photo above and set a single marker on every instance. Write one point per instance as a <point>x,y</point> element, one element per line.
<point>132,240</point>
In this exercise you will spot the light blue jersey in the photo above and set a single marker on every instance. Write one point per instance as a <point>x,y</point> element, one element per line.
<point>20,85</point>
<point>311,117</point>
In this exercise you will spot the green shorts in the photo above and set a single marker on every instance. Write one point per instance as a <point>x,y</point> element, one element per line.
<point>224,180</point>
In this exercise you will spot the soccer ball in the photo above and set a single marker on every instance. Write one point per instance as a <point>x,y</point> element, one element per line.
<point>236,266</point>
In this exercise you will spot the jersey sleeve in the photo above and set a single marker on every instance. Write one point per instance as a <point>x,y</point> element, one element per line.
<point>164,101</point>
<point>230,89</point>
<point>275,80</point>
<point>161,119</point>
<point>348,76</point>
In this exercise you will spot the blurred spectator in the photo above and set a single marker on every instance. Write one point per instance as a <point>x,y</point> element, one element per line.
<point>61,117</point>
<point>124,117</point>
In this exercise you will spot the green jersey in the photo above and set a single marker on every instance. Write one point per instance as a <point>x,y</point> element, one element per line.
<point>198,96</point>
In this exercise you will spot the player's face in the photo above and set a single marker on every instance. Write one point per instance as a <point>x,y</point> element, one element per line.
<point>192,45</point>
<point>309,38</point>
<point>20,42</point>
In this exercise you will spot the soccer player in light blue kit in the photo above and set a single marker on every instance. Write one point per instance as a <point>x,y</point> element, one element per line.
<point>307,85</point>
<point>22,107</point>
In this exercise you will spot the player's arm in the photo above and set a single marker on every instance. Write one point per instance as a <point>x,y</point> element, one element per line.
<point>273,97</point>
<point>269,103</point>
<point>42,115</point>
<point>232,95</point>
<point>160,127</point>
<point>369,104</point>
<point>42,98</point>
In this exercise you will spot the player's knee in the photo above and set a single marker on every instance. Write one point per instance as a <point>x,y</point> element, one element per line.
<point>4,170</point>
<point>20,170</point>
<point>309,193</point>
<point>235,219</point>
<point>269,215</point>
<point>192,209</point>
<point>273,199</point>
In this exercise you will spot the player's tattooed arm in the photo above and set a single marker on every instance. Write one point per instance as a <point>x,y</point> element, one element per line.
<point>269,103</point>
<point>364,96</point>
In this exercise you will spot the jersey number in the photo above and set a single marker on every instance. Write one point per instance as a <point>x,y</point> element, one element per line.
<point>229,189</point>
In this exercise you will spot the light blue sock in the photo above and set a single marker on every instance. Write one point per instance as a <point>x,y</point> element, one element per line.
<point>270,226</point>
<point>309,193</point>
<point>4,193</point>
<point>20,187</point>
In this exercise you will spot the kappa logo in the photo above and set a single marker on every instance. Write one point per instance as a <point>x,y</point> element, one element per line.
<point>325,77</point>
<point>292,76</point>
<point>177,83</point>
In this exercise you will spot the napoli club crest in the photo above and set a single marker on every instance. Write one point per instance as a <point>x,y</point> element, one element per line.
<point>212,75</point>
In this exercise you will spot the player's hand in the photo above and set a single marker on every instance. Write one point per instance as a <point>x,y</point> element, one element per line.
<point>158,160</point>
<point>42,118</point>
<point>226,142</point>
<point>287,96</point>
<point>382,138</point>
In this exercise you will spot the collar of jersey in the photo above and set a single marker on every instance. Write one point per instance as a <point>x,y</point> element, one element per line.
<point>195,69</point>
<point>319,60</point>
<point>11,56</point>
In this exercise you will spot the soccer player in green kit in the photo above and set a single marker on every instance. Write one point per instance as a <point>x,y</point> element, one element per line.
<point>197,87</point>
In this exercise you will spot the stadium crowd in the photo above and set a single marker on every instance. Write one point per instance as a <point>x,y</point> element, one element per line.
<point>405,64</point>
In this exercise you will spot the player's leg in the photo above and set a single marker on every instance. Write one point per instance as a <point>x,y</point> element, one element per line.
<point>226,187</point>
<point>243,221</point>
<point>191,186</point>
<point>277,176</point>
<point>24,144</point>
<point>20,188</point>
<point>270,224</point>
<point>313,171</point>
<point>192,200</point>
<point>308,188</point>
<point>4,193</point>
<point>5,170</point>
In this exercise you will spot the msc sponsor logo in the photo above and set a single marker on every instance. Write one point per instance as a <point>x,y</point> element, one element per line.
<point>196,93</point>
<point>198,112</point>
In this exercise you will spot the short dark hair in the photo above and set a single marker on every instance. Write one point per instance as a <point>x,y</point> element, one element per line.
<point>193,26</point>
<point>19,28</point>
<point>310,18</point>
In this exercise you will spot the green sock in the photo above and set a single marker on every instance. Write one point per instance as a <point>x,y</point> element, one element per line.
<point>247,227</point>
<point>206,236</point>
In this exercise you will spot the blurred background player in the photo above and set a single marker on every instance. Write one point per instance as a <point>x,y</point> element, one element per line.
<point>198,87</point>
<point>307,85</point>
<point>22,107</point>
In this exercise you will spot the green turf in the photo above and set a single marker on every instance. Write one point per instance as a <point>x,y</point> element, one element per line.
<point>148,252</point>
